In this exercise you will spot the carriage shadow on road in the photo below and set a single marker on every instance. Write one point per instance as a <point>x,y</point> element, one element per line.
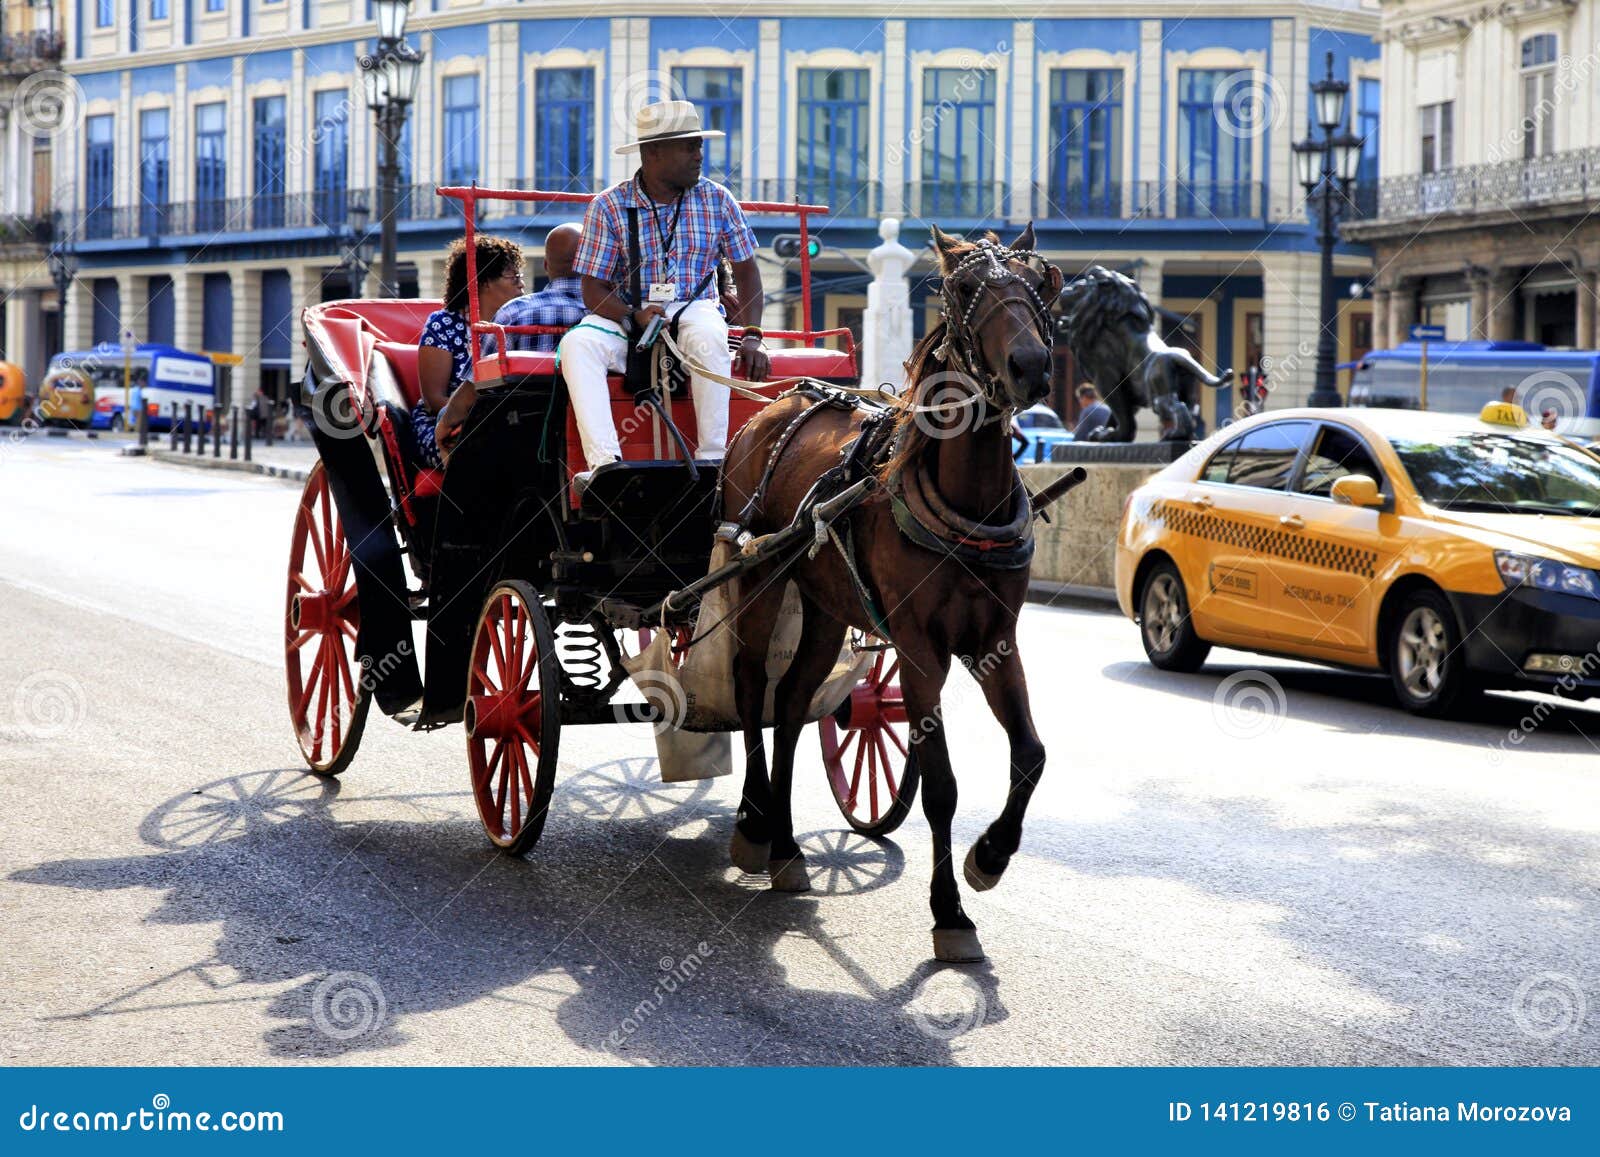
<point>624,927</point>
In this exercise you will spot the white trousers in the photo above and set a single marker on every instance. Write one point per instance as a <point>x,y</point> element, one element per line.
<point>596,347</point>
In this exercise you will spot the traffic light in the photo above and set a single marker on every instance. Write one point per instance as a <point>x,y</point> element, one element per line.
<point>787,245</point>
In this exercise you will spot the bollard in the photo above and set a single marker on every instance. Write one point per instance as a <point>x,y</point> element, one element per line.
<point>201,434</point>
<point>144,423</point>
<point>216,436</point>
<point>272,419</point>
<point>249,436</point>
<point>233,435</point>
<point>188,427</point>
<point>172,425</point>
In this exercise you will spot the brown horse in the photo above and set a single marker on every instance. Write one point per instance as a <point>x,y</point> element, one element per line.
<point>987,357</point>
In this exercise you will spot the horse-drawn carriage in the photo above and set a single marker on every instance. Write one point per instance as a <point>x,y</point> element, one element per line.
<point>533,591</point>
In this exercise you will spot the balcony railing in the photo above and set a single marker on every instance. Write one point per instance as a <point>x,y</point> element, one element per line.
<point>25,52</point>
<point>1570,177</point>
<point>30,232</point>
<point>327,211</point>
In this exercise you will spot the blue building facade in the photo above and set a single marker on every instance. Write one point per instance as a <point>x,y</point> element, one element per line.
<point>223,143</point>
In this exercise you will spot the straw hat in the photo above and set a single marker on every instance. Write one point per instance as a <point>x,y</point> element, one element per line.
<point>669,120</point>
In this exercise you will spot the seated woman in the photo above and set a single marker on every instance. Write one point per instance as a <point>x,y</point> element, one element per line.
<point>445,354</point>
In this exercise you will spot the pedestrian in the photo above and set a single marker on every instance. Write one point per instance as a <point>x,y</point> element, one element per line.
<point>260,407</point>
<point>682,225</point>
<point>560,302</point>
<point>1548,420</point>
<point>1094,414</point>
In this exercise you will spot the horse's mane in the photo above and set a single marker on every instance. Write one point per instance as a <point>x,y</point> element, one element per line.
<point>910,436</point>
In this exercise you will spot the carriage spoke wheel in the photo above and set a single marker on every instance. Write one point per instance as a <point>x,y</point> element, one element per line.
<point>513,716</point>
<point>866,751</point>
<point>328,699</point>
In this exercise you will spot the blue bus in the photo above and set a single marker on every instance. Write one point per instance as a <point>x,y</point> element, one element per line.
<point>1464,375</point>
<point>159,375</point>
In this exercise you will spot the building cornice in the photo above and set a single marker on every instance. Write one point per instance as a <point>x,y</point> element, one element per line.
<point>1424,24</point>
<point>1336,15</point>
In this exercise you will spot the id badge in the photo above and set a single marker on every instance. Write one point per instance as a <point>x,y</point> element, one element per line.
<point>663,291</point>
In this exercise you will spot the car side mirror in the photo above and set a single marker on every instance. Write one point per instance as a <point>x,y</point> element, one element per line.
<point>1356,490</point>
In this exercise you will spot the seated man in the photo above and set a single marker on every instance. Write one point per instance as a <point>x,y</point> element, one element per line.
<point>560,302</point>
<point>685,225</point>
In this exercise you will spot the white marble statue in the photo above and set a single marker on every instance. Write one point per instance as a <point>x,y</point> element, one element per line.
<point>886,323</point>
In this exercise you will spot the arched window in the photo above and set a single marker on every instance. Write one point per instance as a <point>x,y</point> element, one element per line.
<point>1538,95</point>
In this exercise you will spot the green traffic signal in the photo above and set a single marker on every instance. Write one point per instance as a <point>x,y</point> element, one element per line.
<point>787,245</point>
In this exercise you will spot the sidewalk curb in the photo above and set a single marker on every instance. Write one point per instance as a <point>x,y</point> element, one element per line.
<point>176,458</point>
<point>1053,594</point>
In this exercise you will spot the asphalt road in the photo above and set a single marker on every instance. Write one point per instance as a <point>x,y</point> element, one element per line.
<point>1325,881</point>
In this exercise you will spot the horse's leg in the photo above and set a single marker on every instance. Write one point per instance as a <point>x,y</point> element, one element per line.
<point>1006,689</point>
<point>922,675</point>
<point>752,831</point>
<point>821,636</point>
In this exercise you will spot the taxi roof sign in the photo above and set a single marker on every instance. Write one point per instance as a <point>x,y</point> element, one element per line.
<point>1503,414</point>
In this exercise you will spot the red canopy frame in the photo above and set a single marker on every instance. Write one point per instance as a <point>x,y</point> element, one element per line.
<point>470,195</point>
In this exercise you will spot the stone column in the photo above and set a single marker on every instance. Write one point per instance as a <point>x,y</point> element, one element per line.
<point>77,327</point>
<point>188,323</point>
<point>1402,309</point>
<point>1024,134</point>
<point>769,83</point>
<point>24,345</point>
<point>895,143</point>
<point>1381,338</point>
<point>775,314</point>
<point>1502,306</point>
<point>1291,285</point>
<point>500,116</point>
<point>1152,73</point>
<point>430,278</point>
<point>131,298</point>
<point>1479,286</point>
<point>246,288</point>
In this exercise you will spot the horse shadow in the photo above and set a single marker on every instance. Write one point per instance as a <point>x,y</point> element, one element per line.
<point>624,928</point>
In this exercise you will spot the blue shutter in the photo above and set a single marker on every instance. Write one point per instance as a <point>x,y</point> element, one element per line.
<point>107,323</point>
<point>277,321</point>
<point>158,314</point>
<point>216,315</point>
<point>269,162</point>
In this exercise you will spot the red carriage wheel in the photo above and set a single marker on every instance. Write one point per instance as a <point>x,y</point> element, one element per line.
<point>513,716</point>
<point>328,699</point>
<point>866,751</point>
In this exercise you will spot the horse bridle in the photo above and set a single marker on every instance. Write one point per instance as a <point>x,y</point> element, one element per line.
<point>961,348</point>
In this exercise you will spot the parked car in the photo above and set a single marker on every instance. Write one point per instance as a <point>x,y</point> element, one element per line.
<point>13,394</point>
<point>1041,429</point>
<point>1453,553</point>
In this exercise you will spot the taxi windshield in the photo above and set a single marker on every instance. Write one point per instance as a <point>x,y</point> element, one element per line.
<point>1506,473</point>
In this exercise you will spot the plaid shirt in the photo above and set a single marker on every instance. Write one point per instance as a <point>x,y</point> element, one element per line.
<point>560,302</point>
<point>711,225</point>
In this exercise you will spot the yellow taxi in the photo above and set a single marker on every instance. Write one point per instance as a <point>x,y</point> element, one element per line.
<point>1453,553</point>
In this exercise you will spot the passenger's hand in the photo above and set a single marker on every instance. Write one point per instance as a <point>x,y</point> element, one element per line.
<point>447,429</point>
<point>754,360</point>
<point>642,315</point>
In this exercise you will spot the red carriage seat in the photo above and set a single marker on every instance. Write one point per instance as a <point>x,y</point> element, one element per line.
<point>636,427</point>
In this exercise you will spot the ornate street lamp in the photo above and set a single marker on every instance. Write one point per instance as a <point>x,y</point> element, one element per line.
<point>63,266</point>
<point>389,78</point>
<point>1326,169</point>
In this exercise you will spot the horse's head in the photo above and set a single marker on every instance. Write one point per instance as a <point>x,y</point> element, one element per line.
<point>997,302</point>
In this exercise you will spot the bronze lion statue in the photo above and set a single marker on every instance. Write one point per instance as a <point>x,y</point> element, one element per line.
<point>1111,328</point>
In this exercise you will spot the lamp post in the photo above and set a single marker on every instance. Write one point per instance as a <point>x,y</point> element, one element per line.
<point>389,76</point>
<point>1326,169</point>
<point>63,268</point>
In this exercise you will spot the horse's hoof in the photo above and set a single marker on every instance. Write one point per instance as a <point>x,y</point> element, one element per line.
<point>792,877</point>
<point>957,946</point>
<point>977,879</point>
<point>748,856</point>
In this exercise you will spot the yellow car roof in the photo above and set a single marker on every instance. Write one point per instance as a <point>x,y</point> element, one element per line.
<point>1387,423</point>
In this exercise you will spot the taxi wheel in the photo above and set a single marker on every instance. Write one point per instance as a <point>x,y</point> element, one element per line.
<point>1426,663</point>
<point>1165,626</point>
